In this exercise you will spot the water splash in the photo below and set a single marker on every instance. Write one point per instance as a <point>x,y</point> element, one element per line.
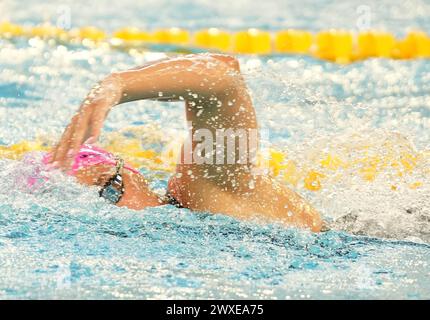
<point>62,241</point>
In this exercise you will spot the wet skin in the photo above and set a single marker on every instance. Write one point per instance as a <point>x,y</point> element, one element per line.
<point>215,97</point>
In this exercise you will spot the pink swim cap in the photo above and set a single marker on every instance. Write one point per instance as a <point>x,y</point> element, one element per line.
<point>90,155</point>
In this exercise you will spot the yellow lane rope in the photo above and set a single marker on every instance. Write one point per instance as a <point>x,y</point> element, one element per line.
<point>340,46</point>
<point>397,162</point>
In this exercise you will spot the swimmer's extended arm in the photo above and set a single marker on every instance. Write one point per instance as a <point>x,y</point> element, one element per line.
<point>188,77</point>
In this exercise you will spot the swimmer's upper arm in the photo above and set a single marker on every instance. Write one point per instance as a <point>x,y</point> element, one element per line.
<point>179,78</point>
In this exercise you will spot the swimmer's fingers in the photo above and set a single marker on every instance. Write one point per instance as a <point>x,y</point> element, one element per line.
<point>86,125</point>
<point>62,147</point>
<point>89,125</point>
<point>96,123</point>
<point>71,139</point>
<point>78,137</point>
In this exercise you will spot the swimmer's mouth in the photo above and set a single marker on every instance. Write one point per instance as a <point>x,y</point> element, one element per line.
<point>113,190</point>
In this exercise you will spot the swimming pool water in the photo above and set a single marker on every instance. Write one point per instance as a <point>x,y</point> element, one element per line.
<point>62,241</point>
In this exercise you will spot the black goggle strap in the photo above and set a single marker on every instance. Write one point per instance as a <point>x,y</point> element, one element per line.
<point>119,166</point>
<point>117,178</point>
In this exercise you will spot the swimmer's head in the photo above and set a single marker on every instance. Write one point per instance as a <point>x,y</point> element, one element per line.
<point>89,156</point>
<point>119,182</point>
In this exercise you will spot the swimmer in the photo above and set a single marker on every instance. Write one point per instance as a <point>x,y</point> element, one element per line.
<point>216,101</point>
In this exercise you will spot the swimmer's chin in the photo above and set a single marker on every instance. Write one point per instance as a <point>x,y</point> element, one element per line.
<point>140,201</point>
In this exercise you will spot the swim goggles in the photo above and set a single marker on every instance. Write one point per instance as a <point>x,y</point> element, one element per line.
<point>113,190</point>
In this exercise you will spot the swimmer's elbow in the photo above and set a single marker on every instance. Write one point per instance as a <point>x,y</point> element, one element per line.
<point>234,63</point>
<point>229,60</point>
<point>233,78</point>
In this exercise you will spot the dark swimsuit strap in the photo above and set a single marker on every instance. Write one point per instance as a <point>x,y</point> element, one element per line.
<point>172,200</point>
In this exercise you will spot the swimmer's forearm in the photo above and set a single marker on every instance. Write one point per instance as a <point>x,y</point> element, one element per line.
<point>176,79</point>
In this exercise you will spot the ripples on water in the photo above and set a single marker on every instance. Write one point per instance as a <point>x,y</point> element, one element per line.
<point>62,241</point>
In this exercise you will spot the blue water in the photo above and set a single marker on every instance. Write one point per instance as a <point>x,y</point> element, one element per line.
<point>64,242</point>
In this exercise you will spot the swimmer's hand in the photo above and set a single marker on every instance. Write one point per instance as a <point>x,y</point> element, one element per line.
<point>86,124</point>
<point>155,80</point>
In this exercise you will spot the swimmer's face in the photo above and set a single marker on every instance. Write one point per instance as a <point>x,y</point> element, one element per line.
<point>136,195</point>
